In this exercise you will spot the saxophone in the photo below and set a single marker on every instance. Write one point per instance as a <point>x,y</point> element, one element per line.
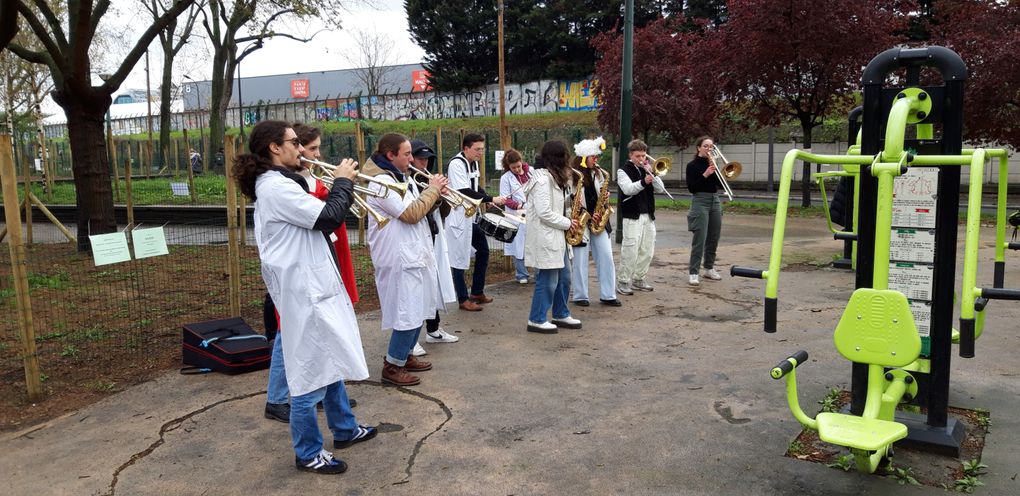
<point>603,210</point>
<point>578,213</point>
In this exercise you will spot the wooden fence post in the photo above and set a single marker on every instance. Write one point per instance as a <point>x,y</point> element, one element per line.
<point>128,194</point>
<point>439,150</point>
<point>233,249</point>
<point>191,174</point>
<point>359,139</point>
<point>9,178</point>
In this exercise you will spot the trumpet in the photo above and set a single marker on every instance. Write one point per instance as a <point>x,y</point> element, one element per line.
<point>729,170</point>
<point>397,188</point>
<point>454,198</point>
<point>660,167</point>
<point>361,208</point>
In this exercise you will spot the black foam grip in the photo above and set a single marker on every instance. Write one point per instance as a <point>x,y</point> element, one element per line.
<point>967,338</point>
<point>1014,246</point>
<point>785,366</point>
<point>1000,293</point>
<point>845,236</point>
<point>980,303</point>
<point>738,271</point>
<point>1000,274</point>
<point>771,307</point>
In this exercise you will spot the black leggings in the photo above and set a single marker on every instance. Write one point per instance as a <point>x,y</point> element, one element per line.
<point>432,325</point>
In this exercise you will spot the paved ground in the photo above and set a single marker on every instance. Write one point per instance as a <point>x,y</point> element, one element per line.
<point>669,394</point>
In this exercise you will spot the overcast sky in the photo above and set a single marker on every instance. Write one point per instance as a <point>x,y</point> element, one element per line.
<point>284,56</point>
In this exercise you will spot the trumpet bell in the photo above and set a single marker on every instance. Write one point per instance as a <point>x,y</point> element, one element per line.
<point>732,169</point>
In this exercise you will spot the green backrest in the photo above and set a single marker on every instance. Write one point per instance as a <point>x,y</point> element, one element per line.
<point>878,328</point>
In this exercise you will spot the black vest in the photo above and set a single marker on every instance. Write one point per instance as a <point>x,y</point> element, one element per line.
<point>641,203</point>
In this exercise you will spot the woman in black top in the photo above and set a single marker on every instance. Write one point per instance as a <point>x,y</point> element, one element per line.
<point>705,217</point>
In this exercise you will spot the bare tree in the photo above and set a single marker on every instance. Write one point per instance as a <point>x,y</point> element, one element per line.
<point>373,58</point>
<point>66,51</point>
<point>171,40</point>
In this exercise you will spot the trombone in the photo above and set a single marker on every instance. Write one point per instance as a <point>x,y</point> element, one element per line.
<point>454,198</point>
<point>397,188</point>
<point>660,167</point>
<point>729,170</point>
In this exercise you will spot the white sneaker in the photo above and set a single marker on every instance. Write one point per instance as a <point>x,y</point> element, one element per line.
<point>624,288</point>
<point>567,322</point>
<point>712,274</point>
<point>440,336</point>
<point>523,280</point>
<point>693,280</point>
<point>418,350</point>
<point>641,285</point>
<point>542,327</point>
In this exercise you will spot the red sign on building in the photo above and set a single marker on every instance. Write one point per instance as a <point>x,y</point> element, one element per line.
<point>299,88</point>
<point>420,80</point>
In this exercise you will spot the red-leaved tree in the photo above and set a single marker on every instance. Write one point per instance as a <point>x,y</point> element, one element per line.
<point>986,33</point>
<point>670,94</point>
<point>801,59</point>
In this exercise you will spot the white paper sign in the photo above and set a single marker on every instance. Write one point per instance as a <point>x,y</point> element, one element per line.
<point>149,242</point>
<point>499,159</point>
<point>109,248</point>
<point>179,189</point>
<point>922,316</point>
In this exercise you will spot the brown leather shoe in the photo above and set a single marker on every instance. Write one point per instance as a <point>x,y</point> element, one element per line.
<point>415,365</point>
<point>470,306</point>
<point>480,299</point>
<point>398,376</point>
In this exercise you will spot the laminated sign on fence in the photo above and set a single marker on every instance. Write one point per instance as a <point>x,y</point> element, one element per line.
<point>180,189</point>
<point>149,242</point>
<point>109,248</point>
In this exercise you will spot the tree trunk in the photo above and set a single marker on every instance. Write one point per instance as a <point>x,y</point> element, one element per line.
<point>91,167</point>
<point>805,183</point>
<point>219,100</point>
<point>165,95</point>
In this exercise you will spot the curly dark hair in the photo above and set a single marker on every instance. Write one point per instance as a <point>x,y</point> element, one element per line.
<point>249,166</point>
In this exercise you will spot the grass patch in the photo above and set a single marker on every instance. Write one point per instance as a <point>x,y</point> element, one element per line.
<point>59,280</point>
<point>99,385</point>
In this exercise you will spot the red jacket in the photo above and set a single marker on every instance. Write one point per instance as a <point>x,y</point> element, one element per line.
<point>343,249</point>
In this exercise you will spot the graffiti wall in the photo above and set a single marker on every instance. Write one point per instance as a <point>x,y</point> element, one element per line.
<point>577,96</point>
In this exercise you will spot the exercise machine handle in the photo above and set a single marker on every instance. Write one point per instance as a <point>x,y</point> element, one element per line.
<point>1000,294</point>
<point>844,236</point>
<point>751,272</point>
<point>786,366</point>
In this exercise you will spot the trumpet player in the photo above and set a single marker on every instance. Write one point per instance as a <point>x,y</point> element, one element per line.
<point>704,219</point>
<point>277,406</point>
<point>638,185</point>
<point>406,274</point>
<point>595,234</point>
<point>322,346</point>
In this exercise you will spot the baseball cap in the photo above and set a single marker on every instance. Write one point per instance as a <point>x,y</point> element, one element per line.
<point>420,150</point>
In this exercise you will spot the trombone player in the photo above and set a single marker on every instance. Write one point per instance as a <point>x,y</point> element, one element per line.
<point>705,217</point>
<point>638,185</point>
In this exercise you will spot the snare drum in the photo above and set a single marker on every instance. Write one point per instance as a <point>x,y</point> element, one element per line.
<point>497,226</point>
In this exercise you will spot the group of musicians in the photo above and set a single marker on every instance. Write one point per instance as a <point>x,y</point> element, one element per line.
<point>421,242</point>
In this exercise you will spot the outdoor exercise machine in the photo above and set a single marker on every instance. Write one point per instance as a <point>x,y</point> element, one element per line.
<point>897,327</point>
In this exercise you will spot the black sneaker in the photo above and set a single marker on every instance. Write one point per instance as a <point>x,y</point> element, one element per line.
<point>323,463</point>
<point>581,303</point>
<point>365,432</point>
<point>278,411</point>
<point>613,303</point>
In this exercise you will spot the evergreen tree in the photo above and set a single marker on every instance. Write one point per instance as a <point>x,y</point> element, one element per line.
<point>459,39</point>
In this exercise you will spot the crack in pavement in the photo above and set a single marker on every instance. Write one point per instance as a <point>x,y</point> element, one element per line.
<point>168,427</point>
<point>418,445</point>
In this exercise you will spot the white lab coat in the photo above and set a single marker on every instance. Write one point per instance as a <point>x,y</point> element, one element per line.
<point>458,227</point>
<point>507,184</point>
<point>406,275</point>
<point>323,343</point>
<point>442,252</point>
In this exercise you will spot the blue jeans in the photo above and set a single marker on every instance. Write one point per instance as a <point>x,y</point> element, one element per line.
<point>276,390</point>
<point>520,269</point>
<point>602,251</point>
<point>552,286</point>
<point>401,344</point>
<point>481,246</point>
<point>304,424</point>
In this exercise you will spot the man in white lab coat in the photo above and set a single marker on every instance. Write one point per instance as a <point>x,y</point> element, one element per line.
<point>322,347</point>
<point>462,233</point>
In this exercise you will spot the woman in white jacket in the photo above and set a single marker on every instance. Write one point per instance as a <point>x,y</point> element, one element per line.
<point>511,187</point>
<point>545,246</point>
